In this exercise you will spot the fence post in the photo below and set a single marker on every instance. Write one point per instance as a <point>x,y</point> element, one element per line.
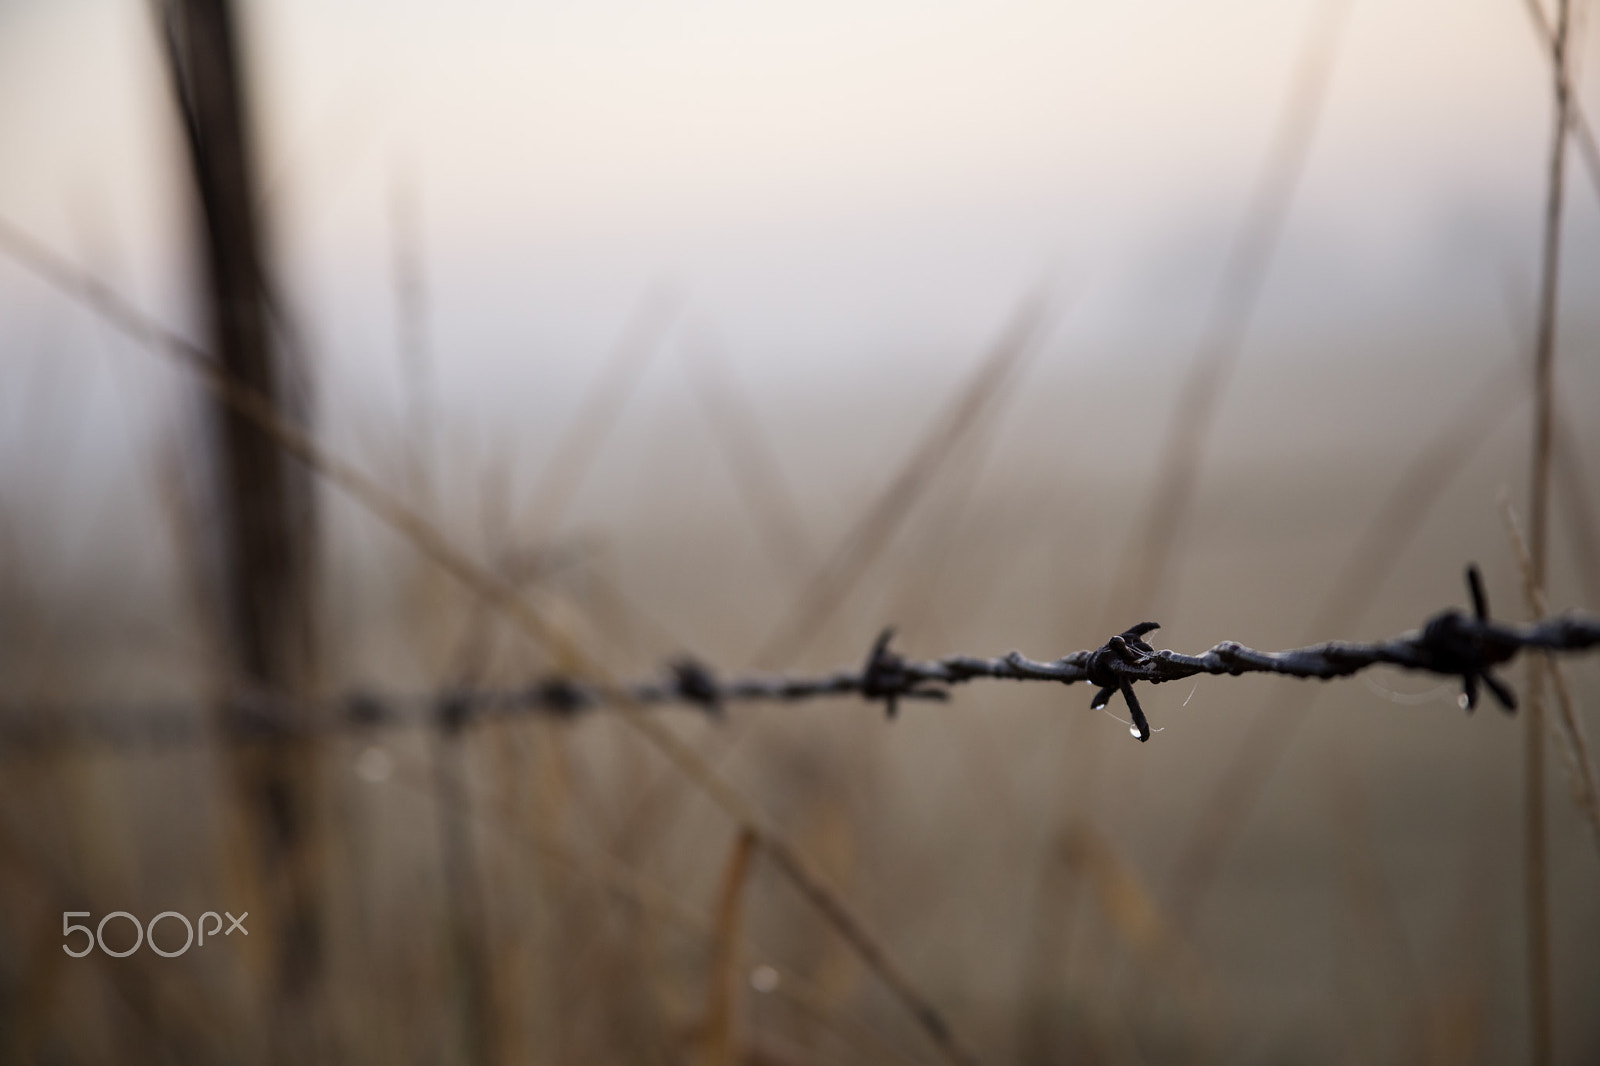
<point>264,512</point>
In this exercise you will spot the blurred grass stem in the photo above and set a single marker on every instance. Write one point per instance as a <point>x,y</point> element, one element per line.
<point>1535,859</point>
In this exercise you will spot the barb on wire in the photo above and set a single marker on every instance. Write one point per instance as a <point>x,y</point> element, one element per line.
<point>1453,643</point>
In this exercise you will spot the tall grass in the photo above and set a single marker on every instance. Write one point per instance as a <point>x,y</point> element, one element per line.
<point>808,884</point>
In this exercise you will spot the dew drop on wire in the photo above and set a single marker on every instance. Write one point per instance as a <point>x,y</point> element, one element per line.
<point>1463,702</point>
<point>1133,730</point>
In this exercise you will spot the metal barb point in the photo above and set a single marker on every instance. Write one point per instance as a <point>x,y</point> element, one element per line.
<point>697,685</point>
<point>1453,643</point>
<point>1456,643</point>
<point>1104,671</point>
<point>885,677</point>
<point>881,677</point>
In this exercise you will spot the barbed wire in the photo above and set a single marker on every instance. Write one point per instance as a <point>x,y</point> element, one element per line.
<point>1452,643</point>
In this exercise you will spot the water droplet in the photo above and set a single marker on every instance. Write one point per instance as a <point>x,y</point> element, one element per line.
<point>1463,702</point>
<point>374,765</point>
<point>1134,730</point>
<point>764,979</point>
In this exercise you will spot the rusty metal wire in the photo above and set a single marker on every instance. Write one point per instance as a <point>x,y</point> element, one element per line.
<point>1452,643</point>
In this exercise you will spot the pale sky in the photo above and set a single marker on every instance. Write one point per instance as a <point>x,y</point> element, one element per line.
<point>844,192</point>
<point>825,180</point>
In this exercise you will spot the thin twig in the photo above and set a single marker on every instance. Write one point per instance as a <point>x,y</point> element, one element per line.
<point>1585,782</point>
<point>1535,860</point>
<point>1583,531</point>
<point>1577,120</point>
<point>719,1039</point>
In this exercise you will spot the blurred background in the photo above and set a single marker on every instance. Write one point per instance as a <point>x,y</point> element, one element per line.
<point>744,331</point>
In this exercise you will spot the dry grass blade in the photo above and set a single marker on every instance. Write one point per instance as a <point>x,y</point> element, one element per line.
<point>1146,561</point>
<point>1134,912</point>
<point>1577,120</point>
<point>863,544</point>
<point>765,491</point>
<point>598,412</point>
<point>945,539</point>
<point>1583,531</point>
<point>473,984</point>
<point>386,506</point>
<point>1585,781</point>
<point>756,470</point>
<point>1370,895</point>
<point>789,862</point>
<point>411,329</point>
<point>720,1046</point>
<point>1275,724</point>
<point>1535,860</point>
<point>1392,976</point>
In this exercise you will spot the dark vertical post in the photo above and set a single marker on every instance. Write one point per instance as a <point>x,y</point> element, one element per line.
<point>264,516</point>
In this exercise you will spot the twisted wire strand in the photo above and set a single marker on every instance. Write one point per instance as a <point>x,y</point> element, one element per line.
<point>1452,643</point>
